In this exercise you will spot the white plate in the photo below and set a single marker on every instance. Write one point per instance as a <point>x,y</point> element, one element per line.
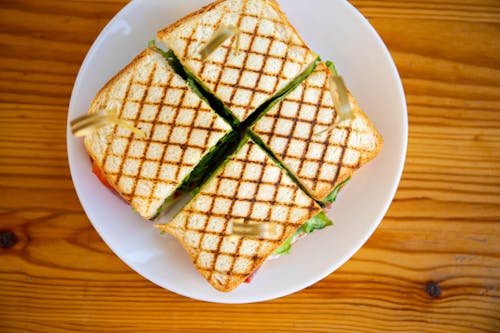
<point>336,31</point>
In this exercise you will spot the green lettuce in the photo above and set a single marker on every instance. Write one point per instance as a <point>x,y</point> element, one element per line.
<point>196,86</point>
<point>279,96</point>
<point>333,194</point>
<point>331,67</point>
<point>317,222</point>
<point>204,170</point>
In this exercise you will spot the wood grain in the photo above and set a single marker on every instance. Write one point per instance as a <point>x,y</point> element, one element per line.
<point>433,265</point>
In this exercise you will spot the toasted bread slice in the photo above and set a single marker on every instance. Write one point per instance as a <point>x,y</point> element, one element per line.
<point>271,52</point>
<point>301,132</point>
<point>251,188</point>
<point>179,126</point>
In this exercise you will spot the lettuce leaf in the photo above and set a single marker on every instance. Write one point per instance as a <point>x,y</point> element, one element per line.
<point>279,96</point>
<point>317,222</point>
<point>286,246</point>
<point>331,67</point>
<point>196,86</point>
<point>206,167</point>
<point>333,194</point>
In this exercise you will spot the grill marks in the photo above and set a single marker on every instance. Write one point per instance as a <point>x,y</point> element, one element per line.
<point>341,159</point>
<point>183,147</point>
<point>240,171</point>
<point>141,161</point>
<point>308,142</point>
<point>294,126</point>
<point>155,183</point>
<point>330,149</point>
<point>226,57</point>
<point>115,128</point>
<point>235,98</point>
<point>210,210</point>
<point>164,116</point>
<point>131,135</point>
<point>239,241</point>
<point>245,59</point>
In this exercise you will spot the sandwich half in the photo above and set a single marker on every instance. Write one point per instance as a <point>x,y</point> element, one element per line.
<point>261,59</point>
<point>180,128</point>
<point>304,133</point>
<point>248,188</point>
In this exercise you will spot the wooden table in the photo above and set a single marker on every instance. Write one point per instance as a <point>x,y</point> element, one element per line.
<point>433,265</point>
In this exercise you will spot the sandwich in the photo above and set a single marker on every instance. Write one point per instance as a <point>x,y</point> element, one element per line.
<point>241,115</point>
<point>180,134</point>
<point>305,132</point>
<point>262,58</point>
<point>287,101</point>
<point>251,189</point>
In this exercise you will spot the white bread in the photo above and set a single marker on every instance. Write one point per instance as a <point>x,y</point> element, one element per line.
<point>180,129</point>
<point>250,187</point>
<point>271,52</point>
<point>320,162</point>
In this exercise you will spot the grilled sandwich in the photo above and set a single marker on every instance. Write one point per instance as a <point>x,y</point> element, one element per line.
<point>303,131</point>
<point>180,129</point>
<point>262,57</point>
<point>250,189</point>
<point>251,125</point>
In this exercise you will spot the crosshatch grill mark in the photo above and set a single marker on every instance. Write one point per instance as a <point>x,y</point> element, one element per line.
<point>209,130</point>
<point>284,59</point>
<point>258,181</point>
<point>141,162</point>
<point>268,135</point>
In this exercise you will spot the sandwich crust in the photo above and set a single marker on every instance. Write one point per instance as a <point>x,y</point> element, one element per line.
<point>179,126</point>
<point>271,52</point>
<point>250,188</point>
<point>302,133</point>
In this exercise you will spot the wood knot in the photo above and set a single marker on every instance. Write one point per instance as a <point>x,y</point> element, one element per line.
<point>433,289</point>
<point>7,239</point>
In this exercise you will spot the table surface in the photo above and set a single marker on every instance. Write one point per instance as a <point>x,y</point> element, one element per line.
<point>433,265</point>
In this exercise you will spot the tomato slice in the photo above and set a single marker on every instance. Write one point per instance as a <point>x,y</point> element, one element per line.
<point>251,276</point>
<point>98,172</point>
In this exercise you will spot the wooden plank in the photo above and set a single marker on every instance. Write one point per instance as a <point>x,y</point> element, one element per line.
<point>433,265</point>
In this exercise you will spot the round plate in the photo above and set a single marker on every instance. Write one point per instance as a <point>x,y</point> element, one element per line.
<point>341,34</point>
